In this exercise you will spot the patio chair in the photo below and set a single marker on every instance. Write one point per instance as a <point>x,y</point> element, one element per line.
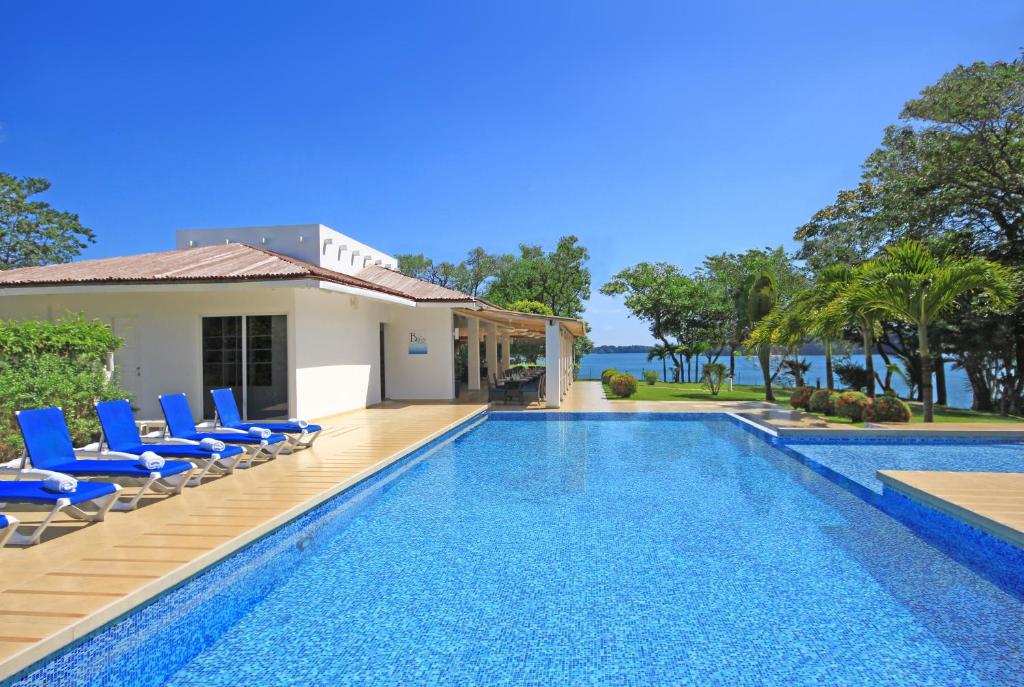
<point>533,390</point>
<point>119,433</point>
<point>8,526</point>
<point>300,433</point>
<point>48,446</point>
<point>182,425</point>
<point>100,495</point>
<point>495,392</point>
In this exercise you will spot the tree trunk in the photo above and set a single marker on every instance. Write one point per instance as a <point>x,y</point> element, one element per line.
<point>926,371</point>
<point>940,381</point>
<point>765,357</point>
<point>981,392</point>
<point>732,362</point>
<point>869,357</point>
<point>829,383</point>
<point>664,369</point>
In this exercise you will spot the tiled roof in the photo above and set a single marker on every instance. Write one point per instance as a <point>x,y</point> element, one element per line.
<point>417,289</point>
<point>230,262</point>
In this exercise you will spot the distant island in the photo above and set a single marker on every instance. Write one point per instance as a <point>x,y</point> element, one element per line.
<point>621,349</point>
<point>811,348</point>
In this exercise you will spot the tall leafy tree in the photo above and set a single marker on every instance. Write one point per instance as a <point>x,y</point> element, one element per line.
<point>32,232</point>
<point>917,287</point>
<point>953,168</point>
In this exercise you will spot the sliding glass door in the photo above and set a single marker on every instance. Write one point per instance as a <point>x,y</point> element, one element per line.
<point>248,353</point>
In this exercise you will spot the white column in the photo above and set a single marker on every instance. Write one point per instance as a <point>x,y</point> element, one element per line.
<point>491,347</point>
<point>553,361</point>
<point>506,351</point>
<point>473,341</point>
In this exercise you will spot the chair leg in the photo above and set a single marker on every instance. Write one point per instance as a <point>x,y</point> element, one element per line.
<point>133,503</point>
<point>8,532</point>
<point>32,538</point>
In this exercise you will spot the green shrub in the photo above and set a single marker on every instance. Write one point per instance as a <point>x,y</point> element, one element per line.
<point>712,377</point>
<point>822,401</point>
<point>801,397</point>
<point>852,375</point>
<point>888,409</point>
<point>852,405</point>
<point>651,377</point>
<point>54,364</point>
<point>623,385</point>
<point>606,375</point>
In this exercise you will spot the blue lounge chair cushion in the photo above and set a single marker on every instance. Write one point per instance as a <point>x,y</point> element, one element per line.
<point>227,413</point>
<point>182,425</point>
<point>3,521</point>
<point>119,468</point>
<point>32,491</point>
<point>46,435</point>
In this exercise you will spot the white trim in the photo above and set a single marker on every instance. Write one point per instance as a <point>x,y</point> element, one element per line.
<point>366,293</point>
<point>156,288</point>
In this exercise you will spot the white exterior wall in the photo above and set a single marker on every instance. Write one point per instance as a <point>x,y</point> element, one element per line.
<point>430,376</point>
<point>163,332</point>
<point>333,341</point>
<point>313,243</point>
<point>336,353</point>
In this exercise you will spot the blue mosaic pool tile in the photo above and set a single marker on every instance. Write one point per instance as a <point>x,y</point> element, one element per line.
<point>577,551</point>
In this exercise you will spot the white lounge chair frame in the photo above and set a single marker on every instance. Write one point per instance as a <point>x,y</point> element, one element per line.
<point>7,532</point>
<point>63,505</point>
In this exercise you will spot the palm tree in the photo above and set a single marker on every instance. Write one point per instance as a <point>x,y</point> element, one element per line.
<point>661,352</point>
<point>913,285</point>
<point>844,309</point>
<point>761,299</point>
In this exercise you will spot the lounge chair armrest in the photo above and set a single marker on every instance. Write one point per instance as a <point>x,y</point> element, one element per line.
<point>112,455</point>
<point>169,440</point>
<point>207,425</point>
<point>231,430</point>
<point>13,468</point>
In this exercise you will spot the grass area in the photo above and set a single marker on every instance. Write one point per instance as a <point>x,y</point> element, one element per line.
<point>663,391</point>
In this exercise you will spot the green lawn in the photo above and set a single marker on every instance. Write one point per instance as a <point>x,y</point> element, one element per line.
<point>663,391</point>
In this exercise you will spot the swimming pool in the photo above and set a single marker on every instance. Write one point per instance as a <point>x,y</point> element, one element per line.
<point>536,549</point>
<point>860,460</point>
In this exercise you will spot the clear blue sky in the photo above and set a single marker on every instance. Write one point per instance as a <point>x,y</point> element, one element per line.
<point>652,131</point>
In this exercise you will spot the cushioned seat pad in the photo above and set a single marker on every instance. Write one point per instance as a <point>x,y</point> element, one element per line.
<point>122,468</point>
<point>31,491</point>
<point>285,427</point>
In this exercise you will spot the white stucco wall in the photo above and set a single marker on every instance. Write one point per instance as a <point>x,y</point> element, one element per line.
<point>337,352</point>
<point>333,341</point>
<point>162,332</point>
<point>429,376</point>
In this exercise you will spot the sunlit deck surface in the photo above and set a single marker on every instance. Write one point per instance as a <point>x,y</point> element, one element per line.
<point>990,501</point>
<point>82,576</point>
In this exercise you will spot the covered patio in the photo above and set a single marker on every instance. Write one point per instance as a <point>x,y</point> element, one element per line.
<point>498,329</point>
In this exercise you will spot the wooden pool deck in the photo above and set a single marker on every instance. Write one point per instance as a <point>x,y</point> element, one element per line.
<point>82,576</point>
<point>992,502</point>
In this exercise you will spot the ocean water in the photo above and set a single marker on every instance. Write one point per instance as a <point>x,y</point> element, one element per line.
<point>537,550</point>
<point>748,371</point>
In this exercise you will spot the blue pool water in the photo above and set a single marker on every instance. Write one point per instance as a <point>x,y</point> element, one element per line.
<point>533,551</point>
<point>859,461</point>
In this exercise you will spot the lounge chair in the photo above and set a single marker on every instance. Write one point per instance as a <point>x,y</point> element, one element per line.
<point>8,526</point>
<point>300,434</point>
<point>49,447</point>
<point>101,495</point>
<point>182,425</point>
<point>119,433</point>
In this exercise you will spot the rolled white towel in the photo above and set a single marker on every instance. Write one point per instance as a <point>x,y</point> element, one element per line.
<point>60,484</point>
<point>211,445</point>
<point>301,424</point>
<point>150,461</point>
<point>259,432</point>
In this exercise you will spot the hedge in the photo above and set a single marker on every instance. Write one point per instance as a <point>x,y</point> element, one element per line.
<point>54,364</point>
<point>623,385</point>
<point>852,405</point>
<point>888,409</point>
<point>801,397</point>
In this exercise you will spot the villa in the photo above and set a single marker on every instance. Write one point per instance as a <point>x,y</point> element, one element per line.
<point>303,319</point>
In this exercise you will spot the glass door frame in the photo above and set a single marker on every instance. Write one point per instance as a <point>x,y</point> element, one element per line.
<point>244,351</point>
